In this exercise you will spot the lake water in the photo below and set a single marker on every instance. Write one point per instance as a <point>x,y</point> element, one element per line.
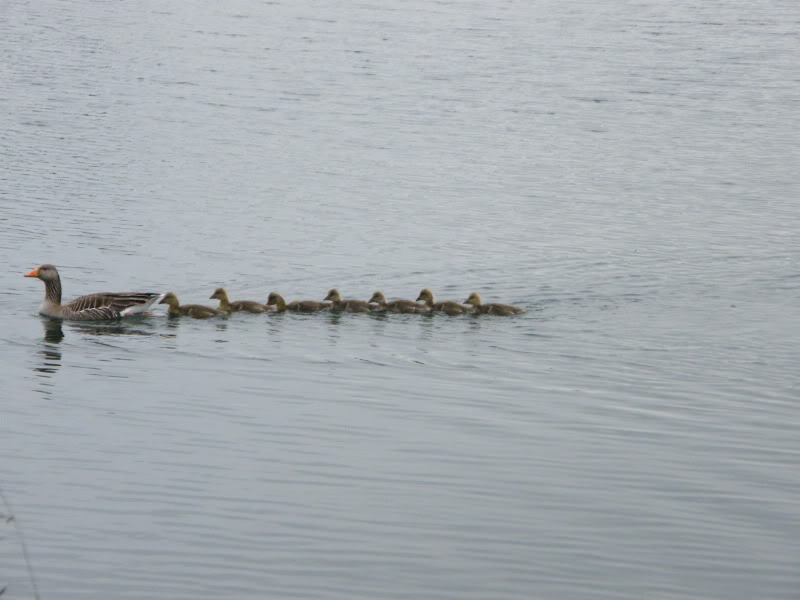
<point>626,170</point>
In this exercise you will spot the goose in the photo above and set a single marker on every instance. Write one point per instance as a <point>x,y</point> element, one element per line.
<point>196,311</point>
<point>447,306</point>
<point>399,306</point>
<point>356,306</point>
<point>91,307</point>
<point>276,300</point>
<point>227,306</point>
<point>493,308</point>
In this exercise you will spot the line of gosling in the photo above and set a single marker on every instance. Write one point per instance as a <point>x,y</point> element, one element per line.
<point>425,303</point>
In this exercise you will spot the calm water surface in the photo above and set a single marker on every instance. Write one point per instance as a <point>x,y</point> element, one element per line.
<point>625,170</point>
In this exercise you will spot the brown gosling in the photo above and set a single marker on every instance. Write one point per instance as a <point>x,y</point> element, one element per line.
<point>398,306</point>
<point>447,306</point>
<point>493,308</point>
<point>196,311</point>
<point>225,305</point>
<point>276,300</point>
<point>354,306</point>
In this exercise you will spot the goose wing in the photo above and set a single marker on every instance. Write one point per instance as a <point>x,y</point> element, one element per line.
<point>109,305</point>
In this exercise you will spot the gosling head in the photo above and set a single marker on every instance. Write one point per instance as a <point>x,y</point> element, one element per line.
<point>219,294</point>
<point>44,272</point>
<point>426,296</point>
<point>333,296</point>
<point>274,299</point>
<point>378,298</point>
<point>171,299</point>
<point>474,299</point>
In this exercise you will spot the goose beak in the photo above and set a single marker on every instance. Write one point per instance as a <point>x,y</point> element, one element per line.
<point>34,273</point>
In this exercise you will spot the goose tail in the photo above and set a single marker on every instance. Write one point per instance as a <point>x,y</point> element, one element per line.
<point>144,306</point>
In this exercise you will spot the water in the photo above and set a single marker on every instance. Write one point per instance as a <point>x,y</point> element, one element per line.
<point>627,172</point>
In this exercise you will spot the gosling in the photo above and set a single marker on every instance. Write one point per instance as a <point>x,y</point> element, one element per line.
<point>196,311</point>
<point>398,306</point>
<point>307,306</point>
<point>354,306</point>
<point>227,306</point>
<point>504,310</point>
<point>447,306</point>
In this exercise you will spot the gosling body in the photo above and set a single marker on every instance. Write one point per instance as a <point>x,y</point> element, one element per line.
<point>225,305</point>
<point>448,307</point>
<point>397,306</point>
<point>340,305</point>
<point>306,306</point>
<point>493,308</point>
<point>196,311</point>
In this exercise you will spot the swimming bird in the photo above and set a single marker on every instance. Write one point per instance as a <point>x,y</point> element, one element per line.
<point>227,306</point>
<point>447,306</point>
<point>276,300</point>
<point>355,306</point>
<point>196,311</point>
<point>399,306</point>
<point>493,308</point>
<point>91,307</point>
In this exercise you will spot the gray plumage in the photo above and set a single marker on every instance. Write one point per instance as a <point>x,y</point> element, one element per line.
<point>92,307</point>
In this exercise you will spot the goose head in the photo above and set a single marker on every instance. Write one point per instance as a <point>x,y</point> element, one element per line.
<point>44,272</point>
<point>334,296</point>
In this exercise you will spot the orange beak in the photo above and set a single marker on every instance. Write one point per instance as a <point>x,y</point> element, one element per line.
<point>34,273</point>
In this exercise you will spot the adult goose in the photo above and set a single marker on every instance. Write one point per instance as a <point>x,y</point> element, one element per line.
<point>493,308</point>
<point>398,306</point>
<point>196,311</point>
<point>447,306</point>
<point>339,305</point>
<point>92,307</point>
<point>227,306</point>
<point>276,300</point>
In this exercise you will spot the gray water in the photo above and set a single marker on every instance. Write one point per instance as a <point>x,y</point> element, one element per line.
<point>627,171</point>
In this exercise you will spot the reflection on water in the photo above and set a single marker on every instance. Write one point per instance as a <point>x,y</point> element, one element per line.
<point>53,331</point>
<point>51,360</point>
<point>275,325</point>
<point>54,334</point>
<point>221,327</point>
<point>50,352</point>
<point>427,325</point>
<point>48,357</point>
<point>114,328</point>
<point>474,322</point>
<point>334,319</point>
